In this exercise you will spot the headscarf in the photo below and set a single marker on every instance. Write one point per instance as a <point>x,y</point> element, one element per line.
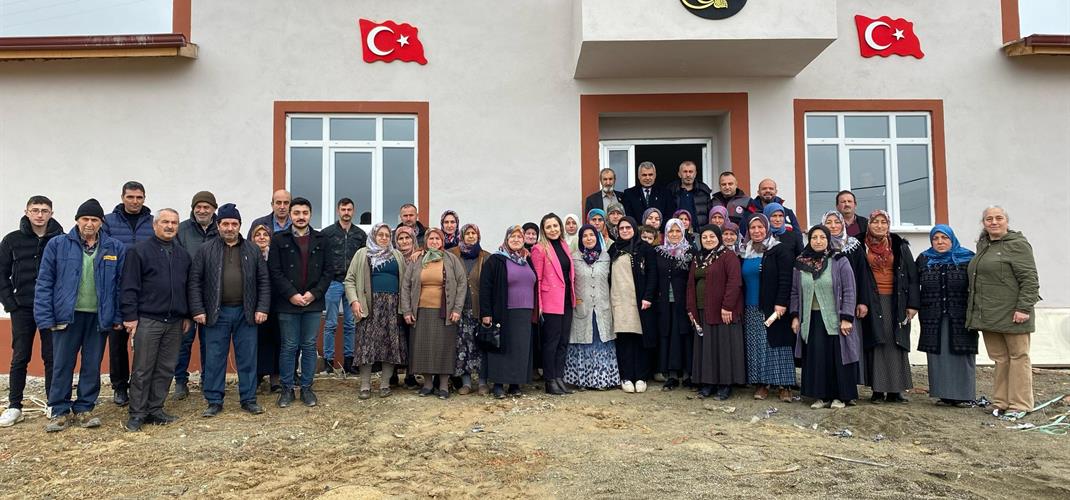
<point>532,225</point>
<point>412,234</point>
<point>432,254</point>
<point>572,239</point>
<point>265,228</point>
<point>769,210</point>
<point>733,227</point>
<point>590,255</point>
<point>751,248</point>
<point>690,217</point>
<point>519,257</point>
<point>680,251</point>
<point>880,247</point>
<point>379,255</point>
<point>708,256</point>
<point>719,209</point>
<point>612,228</point>
<point>449,240</point>
<point>605,223</point>
<point>812,261</point>
<point>647,214</point>
<point>470,252</point>
<point>956,255</point>
<point>620,246</point>
<point>842,243</point>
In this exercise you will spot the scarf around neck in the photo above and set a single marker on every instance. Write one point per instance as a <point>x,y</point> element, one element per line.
<point>957,255</point>
<point>680,251</point>
<point>379,255</point>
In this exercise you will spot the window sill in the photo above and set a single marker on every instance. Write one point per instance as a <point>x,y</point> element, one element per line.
<point>96,47</point>
<point>1037,45</point>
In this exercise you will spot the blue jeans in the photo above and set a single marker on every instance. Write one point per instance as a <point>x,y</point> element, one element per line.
<point>185,352</point>
<point>230,327</point>
<point>298,333</point>
<point>82,334</point>
<point>336,294</point>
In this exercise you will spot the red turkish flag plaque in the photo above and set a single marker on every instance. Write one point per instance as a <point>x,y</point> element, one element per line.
<point>885,36</point>
<point>389,41</point>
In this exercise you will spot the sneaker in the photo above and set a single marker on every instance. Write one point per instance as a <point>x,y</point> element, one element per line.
<point>212,410</point>
<point>160,418</point>
<point>11,416</point>
<point>1012,415</point>
<point>308,397</point>
<point>837,404</point>
<point>285,398</point>
<point>86,420</point>
<point>121,397</point>
<point>627,386</point>
<point>60,423</point>
<point>181,391</point>
<point>819,404</point>
<point>134,424</point>
<point>640,386</point>
<point>252,408</point>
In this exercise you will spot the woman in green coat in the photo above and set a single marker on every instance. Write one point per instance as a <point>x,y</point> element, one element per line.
<point>1003,290</point>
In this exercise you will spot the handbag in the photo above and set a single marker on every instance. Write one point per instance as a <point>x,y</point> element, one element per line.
<point>489,336</point>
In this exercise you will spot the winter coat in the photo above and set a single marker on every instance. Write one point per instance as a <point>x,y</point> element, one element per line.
<point>592,288</point>
<point>844,293</point>
<point>358,280</point>
<point>284,266</point>
<point>552,282</point>
<point>343,245</point>
<point>723,289</point>
<point>191,235</point>
<point>774,289</point>
<point>116,226</point>
<point>735,204</point>
<point>61,275</point>
<point>20,258</point>
<point>672,275</point>
<point>473,276</point>
<point>945,290</point>
<point>154,284</point>
<point>1003,279</point>
<point>206,281</point>
<point>455,287</point>
<point>701,193</point>
<point>905,295</point>
<point>643,278</point>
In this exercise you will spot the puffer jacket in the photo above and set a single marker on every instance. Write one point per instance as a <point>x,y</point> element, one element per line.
<point>343,246</point>
<point>115,226</point>
<point>191,235</point>
<point>736,204</point>
<point>206,281</point>
<point>1003,279</point>
<point>20,258</point>
<point>61,275</point>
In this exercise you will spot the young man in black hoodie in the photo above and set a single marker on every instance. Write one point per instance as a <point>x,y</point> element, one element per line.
<point>20,258</point>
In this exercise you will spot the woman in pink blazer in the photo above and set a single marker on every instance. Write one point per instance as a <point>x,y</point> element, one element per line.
<point>557,298</point>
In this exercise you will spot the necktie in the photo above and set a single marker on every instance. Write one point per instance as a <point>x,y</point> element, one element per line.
<point>646,195</point>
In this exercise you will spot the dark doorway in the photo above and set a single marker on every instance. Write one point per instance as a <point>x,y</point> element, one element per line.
<point>667,158</point>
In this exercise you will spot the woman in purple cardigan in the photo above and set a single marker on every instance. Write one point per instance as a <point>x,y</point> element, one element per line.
<point>822,308</point>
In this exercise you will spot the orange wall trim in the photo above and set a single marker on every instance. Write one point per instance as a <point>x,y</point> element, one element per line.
<point>418,108</point>
<point>593,106</point>
<point>181,16</point>
<point>935,108</point>
<point>1012,26</point>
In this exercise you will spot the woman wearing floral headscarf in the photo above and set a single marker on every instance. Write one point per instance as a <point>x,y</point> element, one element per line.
<point>895,301</point>
<point>951,347</point>
<point>450,223</point>
<point>509,298</point>
<point>372,285</point>
<point>767,266</point>
<point>674,327</point>
<point>715,301</point>
<point>469,355</point>
<point>572,231</point>
<point>591,361</point>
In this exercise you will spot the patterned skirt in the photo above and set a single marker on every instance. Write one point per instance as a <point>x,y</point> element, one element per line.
<point>469,355</point>
<point>434,344</point>
<point>592,365</point>
<point>766,365</point>
<point>379,338</point>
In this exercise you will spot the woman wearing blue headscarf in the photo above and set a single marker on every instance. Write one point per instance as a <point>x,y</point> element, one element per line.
<point>950,347</point>
<point>781,229</point>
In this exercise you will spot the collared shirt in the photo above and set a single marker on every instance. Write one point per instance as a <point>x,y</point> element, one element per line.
<point>275,223</point>
<point>609,199</point>
<point>89,249</point>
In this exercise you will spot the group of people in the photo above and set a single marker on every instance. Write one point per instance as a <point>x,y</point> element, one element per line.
<point>684,285</point>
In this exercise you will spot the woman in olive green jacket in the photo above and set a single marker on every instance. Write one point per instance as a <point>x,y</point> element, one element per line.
<point>1003,290</point>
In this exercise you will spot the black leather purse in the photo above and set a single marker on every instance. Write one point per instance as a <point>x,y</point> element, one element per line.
<point>489,337</point>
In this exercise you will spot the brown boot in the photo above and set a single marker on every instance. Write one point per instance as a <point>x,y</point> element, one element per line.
<point>761,393</point>
<point>784,394</point>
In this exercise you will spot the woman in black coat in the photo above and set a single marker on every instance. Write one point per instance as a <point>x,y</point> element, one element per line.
<point>632,291</point>
<point>675,343</point>
<point>508,297</point>
<point>767,269</point>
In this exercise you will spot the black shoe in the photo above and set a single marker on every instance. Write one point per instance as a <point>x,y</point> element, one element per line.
<point>160,418</point>
<point>723,392</point>
<point>425,391</point>
<point>670,384</point>
<point>498,391</point>
<point>212,410</point>
<point>308,397</point>
<point>563,386</point>
<point>121,397</point>
<point>181,390</point>
<point>895,397</point>
<point>443,394</point>
<point>347,366</point>
<point>328,366</point>
<point>878,398</point>
<point>552,389</point>
<point>275,389</point>
<point>252,408</point>
<point>410,381</point>
<point>393,380</point>
<point>514,390</point>
<point>456,383</point>
<point>705,392</point>
<point>286,397</point>
<point>134,424</point>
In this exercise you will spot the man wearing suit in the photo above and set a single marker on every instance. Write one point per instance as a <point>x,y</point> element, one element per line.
<point>637,199</point>
<point>605,197</point>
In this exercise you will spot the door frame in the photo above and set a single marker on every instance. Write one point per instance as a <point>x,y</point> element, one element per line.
<point>629,145</point>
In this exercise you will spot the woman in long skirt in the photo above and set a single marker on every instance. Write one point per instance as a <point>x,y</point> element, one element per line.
<point>405,242</point>
<point>469,354</point>
<point>767,266</point>
<point>591,361</point>
<point>508,298</point>
<point>715,301</point>
<point>633,287</point>
<point>674,328</point>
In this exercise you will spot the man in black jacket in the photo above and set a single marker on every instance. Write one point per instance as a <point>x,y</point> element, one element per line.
<point>854,224</point>
<point>638,198</point>
<point>229,294</point>
<point>345,239</point>
<point>690,194</point>
<point>409,215</point>
<point>605,197</point>
<point>192,233</point>
<point>155,314</point>
<point>300,276</point>
<point>20,258</point>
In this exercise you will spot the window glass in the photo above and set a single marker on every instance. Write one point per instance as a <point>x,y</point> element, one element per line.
<point>22,18</point>
<point>306,129</point>
<point>399,176</point>
<point>824,179</point>
<point>865,126</point>
<point>911,127</point>
<point>352,129</point>
<point>821,127</point>
<point>868,180</point>
<point>914,200</point>
<point>306,176</point>
<point>353,180</point>
<point>399,129</point>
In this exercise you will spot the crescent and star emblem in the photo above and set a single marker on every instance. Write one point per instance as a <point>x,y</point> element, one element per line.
<point>370,41</point>
<point>897,34</point>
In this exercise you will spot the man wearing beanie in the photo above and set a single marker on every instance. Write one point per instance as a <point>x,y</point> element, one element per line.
<point>229,294</point>
<point>192,233</point>
<point>130,222</point>
<point>77,299</point>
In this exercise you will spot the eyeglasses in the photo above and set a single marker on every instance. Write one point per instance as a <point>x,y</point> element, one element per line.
<point>39,211</point>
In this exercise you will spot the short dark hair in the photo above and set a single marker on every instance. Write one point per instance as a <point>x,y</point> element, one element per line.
<point>301,201</point>
<point>648,229</point>
<point>39,199</point>
<point>345,201</point>
<point>846,191</point>
<point>408,205</point>
<point>726,173</point>
<point>133,186</point>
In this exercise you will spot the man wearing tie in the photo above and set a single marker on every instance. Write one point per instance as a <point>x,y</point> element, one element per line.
<point>646,195</point>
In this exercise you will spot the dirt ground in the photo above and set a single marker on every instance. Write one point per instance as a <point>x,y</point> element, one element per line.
<point>587,445</point>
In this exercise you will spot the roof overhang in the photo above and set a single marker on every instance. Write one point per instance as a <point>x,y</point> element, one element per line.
<point>1033,45</point>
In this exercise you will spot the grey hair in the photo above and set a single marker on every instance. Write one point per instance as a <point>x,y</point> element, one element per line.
<point>168,210</point>
<point>1001,209</point>
<point>607,169</point>
<point>647,165</point>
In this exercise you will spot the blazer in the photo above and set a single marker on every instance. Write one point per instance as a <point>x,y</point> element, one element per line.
<point>358,280</point>
<point>456,286</point>
<point>594,200</point>
<point>551,278</point>
<point>659,198</point>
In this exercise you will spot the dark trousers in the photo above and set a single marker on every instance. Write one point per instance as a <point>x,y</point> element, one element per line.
<point>267,346</point>
<point>633,358</point>
<point>185,352</point>
<point>555,334</point>
<point>230,327</point>
<point>155,354</point>
<point>23,330</point>
<point>119,358</point>
<point>82,334</point>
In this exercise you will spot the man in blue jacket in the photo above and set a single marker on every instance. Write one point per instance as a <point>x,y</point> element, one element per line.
<point>76,298</point>
<point>155,314</point>
<point>130,223</point>
<point>767,194</point>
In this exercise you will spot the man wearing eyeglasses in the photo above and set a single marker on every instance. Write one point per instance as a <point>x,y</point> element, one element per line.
<point>20,258</point>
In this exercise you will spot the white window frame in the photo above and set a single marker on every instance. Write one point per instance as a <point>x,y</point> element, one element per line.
<point>326,214</point>
<point>629,145</point>
<point>889,145</point>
